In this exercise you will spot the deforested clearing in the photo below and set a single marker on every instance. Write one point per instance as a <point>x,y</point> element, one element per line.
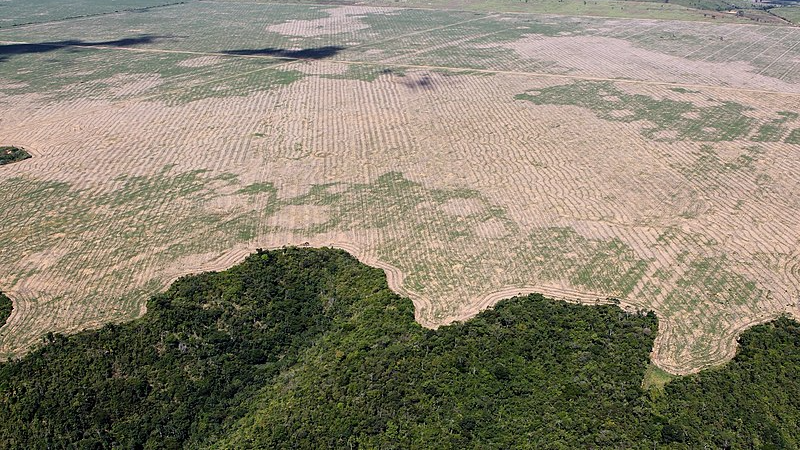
<point>471,155</point>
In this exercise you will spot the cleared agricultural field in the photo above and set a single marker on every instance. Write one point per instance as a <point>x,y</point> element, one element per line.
<point>473,155</point>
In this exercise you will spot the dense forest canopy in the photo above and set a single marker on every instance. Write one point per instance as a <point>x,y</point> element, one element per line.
<point>10,155</point>
<point>308,348</point>
<point>5,308</point>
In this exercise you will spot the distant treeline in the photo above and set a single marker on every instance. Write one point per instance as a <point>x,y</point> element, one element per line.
<point>308,348</point>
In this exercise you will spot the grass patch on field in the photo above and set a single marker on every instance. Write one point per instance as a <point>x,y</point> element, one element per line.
<point>10,155</point>
<point>153,219</point>
<point>709,279</point>
<point>681,90</point>
<point>670,119</point>
<point>367,73</point>
<point>258,188</point>
<point>656,378</point>
<point>90,73</point>
<point>461,56</point>
<point>793,137</point>
<point>597,265</point>
<point>707,5</point>
<point>239,86</point>
<point>709,162</point>
<point>773,130</point>
<point>790,13</point>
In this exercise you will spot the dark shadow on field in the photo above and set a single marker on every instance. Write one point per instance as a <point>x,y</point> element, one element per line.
<point>9,50</point>
<point>307,53</point>
<point>424,82</point>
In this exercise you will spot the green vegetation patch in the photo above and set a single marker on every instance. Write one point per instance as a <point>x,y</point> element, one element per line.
<point>609,266</point>
<point>258,188</point>
<point>79,72</point>
<point>789,12</point>
<point>241,85</point>
<point>368,73</point>
<point>127,216</point>
<point>707,5</point>
<point>6,307</point>
<point>681,90</point>
<point>407,208</point>
<point>709,278</point>
<point>665,119</point>
<point>10,155</point>
<point>793,137</point>
<point>757,404</point>
<point>308,348</point>
<point>656,378</point>
<point>773,130</point>
<point>707,166</point>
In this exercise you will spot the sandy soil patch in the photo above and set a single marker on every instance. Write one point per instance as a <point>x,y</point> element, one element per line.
<point>11,85</point>
<point>201,61</point>
<point>491,229</point>
<point>132,84</point>
<point>620,113</point>
<point>300,216</point>
<point>611,58</point>
<point>223,205</point>
<point>320,68</point>
<point>463,207</point>
<point>342,19</point>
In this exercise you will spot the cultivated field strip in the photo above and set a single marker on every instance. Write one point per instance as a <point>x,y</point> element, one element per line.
<point>576,9</point>
<point>17,12</point>
<point>679,52</point>
<point>118,75</point>
<point>168,158</point>
<point>255,27</point>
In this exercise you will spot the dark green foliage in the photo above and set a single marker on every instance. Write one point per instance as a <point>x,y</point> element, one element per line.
<point>5,308</point>
<point>10,155</point>
<point>751,402</point>
<point>306,348</point>
<point>532,372</point>
<point>187,368</point>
